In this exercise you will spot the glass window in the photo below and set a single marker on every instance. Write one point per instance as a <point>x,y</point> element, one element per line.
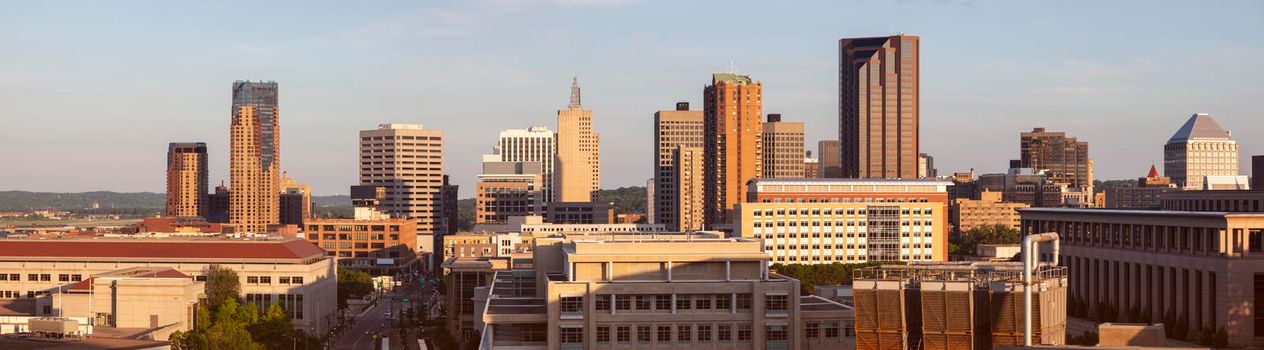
<point>723,301</point>
<point>684,333</point>
<point>682,302</point>
<point>603,334</point>
<point>571,335</point>
<point>831,329</point>
<point>744,301</point>
<point>813,330</point>
<point>643,302</point>
<point>775,302</point>
<point>603,302</point>
<point>572,306</point>
<point>704,333</point>
<point>643,334</point>
<point>623,334</point>
<point>724,332</point>
<point>623,302</point>
<point>702,302</point>
<point>743,332</point>
<point>662,302</point>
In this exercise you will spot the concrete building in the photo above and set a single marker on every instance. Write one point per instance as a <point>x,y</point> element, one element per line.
<point>464,278</point>
<point>1198,149</point>
<point>1196,271</point>
<point>811,166</point>
<point>296,201</point>
<point>733,105</point>
<point>649,201</point>
<point>668,292</point>
<point>956,306</point>
<point>187,179</point>
<point>1063,159</point>
<point>290,271</point>
<point>531,226</point>
<point>1257,171</point>
<point>878,106</point>
<point>1027,186</point>
<point>1226,182</point>
<point>1145,195</point>
<point>926,166</point>
<point>217,205</point>
<point>820,221</point>
<point>579,212</point>
<point>578,152</point>
<point>254,157</point>
<point>782,152</point>
<point>690,198</point>
<point>449,195</point>
<point>831,159</point>
<point>380,246</point>
<point>533,144</point>
<point>507,189</point>
<point>677,133</point>
<point>1211,200</point>
<point>988,210</point>
<point>407,160</point>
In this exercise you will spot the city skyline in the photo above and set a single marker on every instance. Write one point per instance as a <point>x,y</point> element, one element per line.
<point>1066,80</point>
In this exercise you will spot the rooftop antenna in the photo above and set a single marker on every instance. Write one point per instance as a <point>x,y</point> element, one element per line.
<point>732,67</point>
<point>574,91</point>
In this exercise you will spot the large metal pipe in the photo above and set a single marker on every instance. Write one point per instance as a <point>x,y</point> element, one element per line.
<point>1031,260</point>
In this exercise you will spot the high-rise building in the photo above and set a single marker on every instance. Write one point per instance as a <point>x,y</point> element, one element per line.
<point>507,189</point>
<point>450,194</point>
<point>578,152</point>
<point>1064,159</point>
<point>733,134</point>
<point>1257,172</point>
<point>926,166</point>
<point>811,166</point>
<point>407,159</point>
<point>533,144</point>
<point>673,129</point>
<point>827,152</point>
<point>255,157</point>
<point>217,204</point>
<point>782,148</point>
<point>296,201</point>
<point>689,195</point>
<point>1200,148</point>
<point>186,179</point>
<point>878,106</point>
<point>649,201</point>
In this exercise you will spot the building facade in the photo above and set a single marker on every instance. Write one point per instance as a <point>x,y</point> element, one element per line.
<point>1197,271</point>
<point>878,104</point>
<point>187,179</point>
<point>507,189</point>
<point>733,136</point>
<point>676,131</point>
<point>988,210</point>
<point>578,152</point>
<point>379,246</point>
<point>254,157</point>
<point>926,166</point>
<point>406,159</point>
<point>1147,194</point>
<point>533,144</point>
<point>829,154</point>
<point>689,202</point>
<point>1209,200</point>
<point>811,166</point>
<point>579,212</point>
<point>782,144</point>
<point>1200,148</point>
<point>1064,159</point>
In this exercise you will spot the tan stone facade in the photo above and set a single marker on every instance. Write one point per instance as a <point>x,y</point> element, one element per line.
<point>688,208</point>
<point>255,157</point>
<point>187,179</point>
<point>988,210</point>
<point>782,144</point>
<point>1200,148</point>
<point>407,159</point>
<point>366,244</point>
<point>578,152</point>
<point>677,134</point>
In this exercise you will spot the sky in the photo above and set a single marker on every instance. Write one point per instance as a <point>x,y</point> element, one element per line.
<point>91,92</point>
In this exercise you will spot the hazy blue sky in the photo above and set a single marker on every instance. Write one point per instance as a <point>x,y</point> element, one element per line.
<point>91,92</point>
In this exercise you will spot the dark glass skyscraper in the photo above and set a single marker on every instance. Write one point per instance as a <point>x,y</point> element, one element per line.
<point>255,157</point>
<point>878,106</point>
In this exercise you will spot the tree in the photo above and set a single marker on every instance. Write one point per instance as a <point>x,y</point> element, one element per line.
<point>352,284</point>
<point>222,284</point>
<point>274,329</point>
<point>968,241</point>
<point>810,276</point>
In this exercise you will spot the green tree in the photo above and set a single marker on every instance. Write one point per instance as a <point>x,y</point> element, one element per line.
<point>222,284</point>
<point>810,276</point>
<point>274,329</point>
<point>969,241</point>
<point>352,284</point>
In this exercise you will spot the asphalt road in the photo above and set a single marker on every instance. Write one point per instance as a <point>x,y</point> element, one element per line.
<point>360,335</point>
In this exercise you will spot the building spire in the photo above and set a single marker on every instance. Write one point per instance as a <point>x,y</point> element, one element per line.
<point>574,92</point>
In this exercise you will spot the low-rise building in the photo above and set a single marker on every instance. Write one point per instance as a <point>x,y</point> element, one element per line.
<point>380,246</point>
<point>579,212</point>
<point>530,226</point>
<point>988,210</point>
<point>1214,200</point>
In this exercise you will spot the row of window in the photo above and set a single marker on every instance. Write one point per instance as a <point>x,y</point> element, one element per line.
<point>40,277</point>
<point>645,334</point>
<point>836,211</point>
<point>268,280</point>
<point>848,223</point>
<point>573,305</point>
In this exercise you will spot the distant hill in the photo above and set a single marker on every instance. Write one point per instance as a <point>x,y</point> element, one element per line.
<point>24,200</point>
<point>340,200</point>
<point>625,199</point>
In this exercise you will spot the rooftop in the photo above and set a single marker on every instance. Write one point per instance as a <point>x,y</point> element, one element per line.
<point>1141,212</point>
<point>86,285</point>
<point>158,249</point>
<point>1200,126</point>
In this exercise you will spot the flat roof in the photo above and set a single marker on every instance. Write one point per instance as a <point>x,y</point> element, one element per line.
<point>158,249</point>
<point>1143,212</point>
<point>835,181</point>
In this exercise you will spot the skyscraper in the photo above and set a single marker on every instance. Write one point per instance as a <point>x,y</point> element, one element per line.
<point>878,106</point>
<point>255,157</point>
<point>827,152</point>
<point>782,152</point>
<point>732,146</point>
<point>1064,158</point>
<point>533,144</point>
<point>186,179</point>
<point>811,166</point>
<point>672,130</point>
<point>1200,148</point>
<point>689,163</point>
<point>578,152</point>
<point>407,159</point>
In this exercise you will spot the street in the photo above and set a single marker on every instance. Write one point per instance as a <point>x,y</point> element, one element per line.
<point>374,322</point>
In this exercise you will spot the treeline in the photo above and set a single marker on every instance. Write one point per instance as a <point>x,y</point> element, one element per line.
<point>813,275</point>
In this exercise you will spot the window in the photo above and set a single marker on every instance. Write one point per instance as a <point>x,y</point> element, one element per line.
<point>15,276</point>
<point>603,302</point>
<point>65,277</point>
<point>32,277</point>
<point>252,280</point>
<point>723,301</point>
<point>702,302</point>
<point>296,280</point>
<point>831,330</point>
<point>643,334</point>
<point>76,278</point>
<point>682,302</point>
<point>813,330</point>
<point>664,334</point>
<point>743,332</point>
<point>623,302</point>
<point>724,332</point>
<point>283,280</point>
<point>572,306</point>
<point>571,336</point>
<point>704,333</point>
<point>44,277</point>
<point>623,334</point>
<point>603,334</point>
<point>643,302</point>
<point>774,302</point>
<point>744,301</point>
<point>662,302</point>
<point>684,333</point>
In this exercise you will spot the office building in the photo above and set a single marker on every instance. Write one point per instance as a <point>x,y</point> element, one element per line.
<point>1063,159</point>
<point>289,271</point>
<point>1146,194</point>
<point>956,306</point>
<point>782,152</point>
<point>1257,172</point>
<point>878,106</point>
<point>1200,148</point>
<point>578,169</point>
<point>964,186</point>
<point>1216,201</point>
<point>187,179</point>
<point>217,205</point>
<point>649,201</point>
<point>579,212</point>
<point>811,166</point>
<point>828,151</point>
<point>672,291</point>
<point>676,131</point>
<point>507,189</point>
<point>293,188</point>
<point>255,157</point>
<point>733,105</point>
<point>1022,185</point>
<point>380,246</point>
<point>533,144</point>
<point>532,226</point>
<point>1195,271</point>
<point>989,210</point>
<point>449,194</point>
<point>689,197</point>
<point>464,277</point>
<point>821,221</point>
<point>926,166</point>
<point>406,159</point>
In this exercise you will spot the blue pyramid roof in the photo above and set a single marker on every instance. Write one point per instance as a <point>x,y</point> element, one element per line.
<point>1200,126</point>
